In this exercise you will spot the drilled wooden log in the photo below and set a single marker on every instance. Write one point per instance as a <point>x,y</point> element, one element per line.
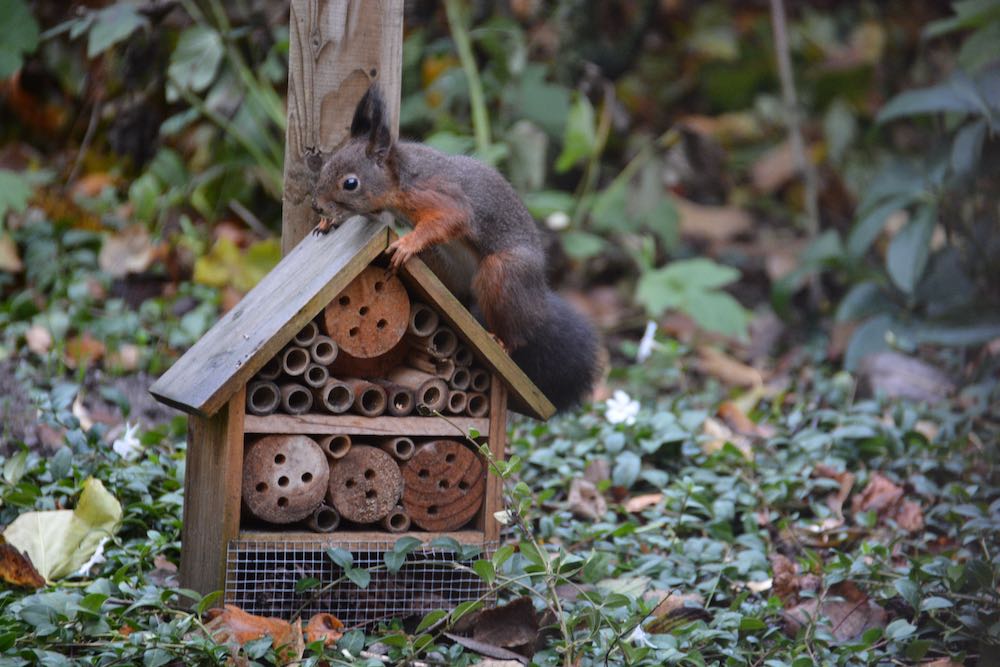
<point>444,485</point>
<point>400,401</point>
<point>423,319</point>
<point>271,370</point>
<point>323,350</point>
<point>296,399</point>
<point>263,398</point>
<point>442,343</point>
<point>324,519</point>
<point>400,448</point>
<point>370,316</point>
<point>427,389</point>
<point>284,478</point>
<point>479,380</point>
<point>397,520</point>
<point>457,401</point>
<point>463,356</point>
<point>478,404</point>
<point>316,376</point>
<point>306,335</point>
<point>460,379</point>
<point>294,360</point>
<point>335,396</point>
<point>335,446</point>
<point>365,485</point>
<point>370,399</point>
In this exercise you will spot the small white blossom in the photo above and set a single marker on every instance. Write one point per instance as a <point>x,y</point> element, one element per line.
<point>557,221</point>
<point>96,559</point>
<point>621,408</point>
<point>640,638</point>
<point>647,343</point>
<point>128,446</point>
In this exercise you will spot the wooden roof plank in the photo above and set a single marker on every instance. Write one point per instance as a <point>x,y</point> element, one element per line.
<point>242,341</point>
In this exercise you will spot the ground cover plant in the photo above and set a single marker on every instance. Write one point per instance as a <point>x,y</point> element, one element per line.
<point>792,457</point>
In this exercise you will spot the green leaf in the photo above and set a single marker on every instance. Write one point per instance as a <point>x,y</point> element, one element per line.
<point>341,557</point>
<point>580,135</point>
<point>718,311</point>
<point>14,467</point>
<point>932,603</point>
<point>958,334</point>
<point>752,624</point>
<point>14,192</point>
<point>700,274</point>
<point>447,544</point>
<point>968,146</point>
<point>543,204</point>
<point>582,245</point>
<point>968,14</point>
<point>899,629</point>
<point>626,470</point>
<point>957,94</point>
<point>871,224</point>
<point>840,127</point>
<point>867,339</point>
<point>18,37</point>
<point>395,558</point>
<point>485,570</point>
<point>910,248</point>
<point>862,300</point>
<point>359,576</point>
<point>195,61</point>
<point>111,25</point>
<point>430,619</point>
<point>608,211</point>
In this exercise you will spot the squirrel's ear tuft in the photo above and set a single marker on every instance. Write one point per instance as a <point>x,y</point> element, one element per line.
<point>370,123</point>
<point>362,122</point>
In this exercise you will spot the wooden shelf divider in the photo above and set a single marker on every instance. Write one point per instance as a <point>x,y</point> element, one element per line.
<point>316,424</point>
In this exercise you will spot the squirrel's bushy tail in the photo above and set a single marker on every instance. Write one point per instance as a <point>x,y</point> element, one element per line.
<point>560,355</point>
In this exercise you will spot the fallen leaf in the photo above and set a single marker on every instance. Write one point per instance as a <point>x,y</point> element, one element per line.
<point>91,185</point>
<point>940,662</point>
<point>81,413</point>
<point>164,573</point>
<point>325,627</point>
<point>896,375</point>
<point>718,434</point>
<point>488,650</point>
<point>759,586</point>
<point>727,128</point>
<point>736,419</point>
<point>39,339</point>
<point>59,542</point>
<point>234,627</point>
<point>879,496</point>
<point>774,168</point>
<point>16,568</point>
<point>10,259</point>
<point>928,429</point>
<point>835,501</point>
<point>711,223</point>
<point>130,251</point>
<point>585,501</point>
<point>636,504</point>
<point>597,471</point>
<point>225,265</point>
<point>727,370</point>
<point>512,625</point>
<point>846,618</point>
<point>125,358</point>
<point>674,610</point>
<point>909,516</point>
<point>82,351</point>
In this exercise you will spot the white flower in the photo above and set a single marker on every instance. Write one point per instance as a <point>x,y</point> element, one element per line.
<point>97,558</point>
<point>621,408</point>
<point>640,638</point>
<point>557,221</point>
<point>647,343</point>
<point>128,446</point>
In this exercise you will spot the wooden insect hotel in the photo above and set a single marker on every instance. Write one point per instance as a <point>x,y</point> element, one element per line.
<point>341,406</point>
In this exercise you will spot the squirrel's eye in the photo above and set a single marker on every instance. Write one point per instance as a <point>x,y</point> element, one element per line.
<point>351,183</point>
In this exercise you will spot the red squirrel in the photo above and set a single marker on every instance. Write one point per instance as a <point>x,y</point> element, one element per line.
<point>450,198</point>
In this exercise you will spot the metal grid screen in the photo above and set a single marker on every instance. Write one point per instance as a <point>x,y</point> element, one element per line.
<point>261,578</point>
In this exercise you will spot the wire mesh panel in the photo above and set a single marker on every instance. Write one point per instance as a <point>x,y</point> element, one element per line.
<point>261,579</point>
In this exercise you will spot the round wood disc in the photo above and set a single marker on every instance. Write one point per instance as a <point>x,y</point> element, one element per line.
<point>444,485</point>
<point>365,485</point>
<point>370,316</point>
<point>284,478</point>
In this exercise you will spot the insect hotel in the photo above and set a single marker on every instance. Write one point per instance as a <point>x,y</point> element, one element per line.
<point>341,406</point>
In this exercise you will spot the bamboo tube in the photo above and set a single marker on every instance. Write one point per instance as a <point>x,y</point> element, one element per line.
<point>423,361</point>
<point>336,396</point>
<point>428,389</point>
<point>479,380</point>
<point>323,350</point>
<point>335,446</point>
<point>263,398</point>
<point>460,379</point>
<point>423,320</point>
<point>441,343</point>
<point>370,399</point>
<point>324,519</point>
<point>463,356</point>
<point>401,402</point>
<point>401,448</point>
<point>306,336</point>
<point>316,376</point>
<point>271,370</point>
<point>294,360</point>
<point>397,520</point>
<point>478,404</point>
<point>296,399</point>
<point>457,400</point>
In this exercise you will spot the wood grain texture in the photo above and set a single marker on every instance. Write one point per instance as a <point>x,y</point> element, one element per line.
<point>246,337</point>
<point>314,424</point>
<point>425,286</point>
<point>336,49</point>
<point>497,438</point>
<point>212,484</point>
<point>348,538</point>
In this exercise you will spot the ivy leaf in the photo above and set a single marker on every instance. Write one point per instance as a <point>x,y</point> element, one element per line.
<point>14,192</point>
<point>910,248</point>
<point>18,37</point>
<point>195,61</point>
<point>111,25</point>
<point>580,137</point>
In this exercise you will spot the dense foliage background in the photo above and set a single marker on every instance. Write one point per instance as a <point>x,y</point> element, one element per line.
<point>805,330</point>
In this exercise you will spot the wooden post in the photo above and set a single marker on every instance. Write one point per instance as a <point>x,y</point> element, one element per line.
<point>336,49</point>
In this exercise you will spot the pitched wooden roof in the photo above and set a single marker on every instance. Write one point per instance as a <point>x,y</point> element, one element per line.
<point>301,285</point>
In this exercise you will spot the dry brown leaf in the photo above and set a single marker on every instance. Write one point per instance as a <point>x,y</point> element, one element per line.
<point>91,185</point>
<point>928,429</point>
<point>585,501</point>
<point>736,419</point>
<point>674,609</point>
<point>835,501</point>
<point>10,259</point>
<point>125,358</point>
<point>774,168</point>
<point>231,625</point>
<point>847,618</point>
<point>131,251</point>
<point>785,579</point>
<point>727,370</point>
<point>597,471</point>
<point>82,351</point>
<point>325,627</point>
<point>39,339</point>
<point>909,516</point>
<point>719,434</point>
<point>511,625</point>
<point>641,502</point>
<point>735,126</point>
<point>940,662</point>
<point>896,375</point>
<point>711,223</point>
<point>17,569</point>
<point>880,495</point>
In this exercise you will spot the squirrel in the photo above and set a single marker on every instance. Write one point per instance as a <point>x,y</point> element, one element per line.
<point>449,199</point>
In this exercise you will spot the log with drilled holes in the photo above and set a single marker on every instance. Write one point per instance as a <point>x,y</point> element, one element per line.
<point>284,478</point>
<point>365,485</point>
<point>445,483</point>
<point>370,316</point>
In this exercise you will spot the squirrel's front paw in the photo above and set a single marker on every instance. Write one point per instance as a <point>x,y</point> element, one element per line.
<point>323,226</point>
<point>400,251</point>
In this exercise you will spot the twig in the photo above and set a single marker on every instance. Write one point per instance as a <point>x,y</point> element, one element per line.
<point>95,112</point>
<point>480,119</point>
<point>247,216</point>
